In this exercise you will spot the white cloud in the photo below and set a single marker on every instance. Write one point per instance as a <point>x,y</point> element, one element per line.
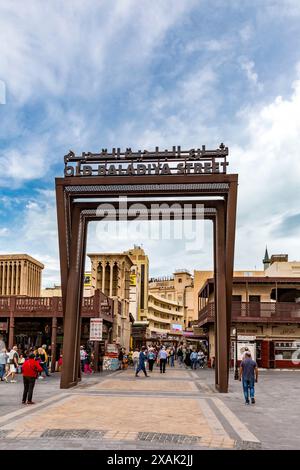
<point>246,32</point>
<point>249,68</point>
<point>269,173</point>
<point>62,46</point>
<point>4,231</point>
<point>211,45</point>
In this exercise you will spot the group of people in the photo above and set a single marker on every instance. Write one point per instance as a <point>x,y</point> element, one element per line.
<point>87,360</point>
<point>32,365</point>
<point>150,355</point>
<point>163,356</point>
<point>12,362</point>
<point>191,357</point>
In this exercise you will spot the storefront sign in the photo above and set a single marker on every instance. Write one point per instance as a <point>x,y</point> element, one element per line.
<point>105,307</point>
<point>246,338</point>
<point>96,325</point>
<point>111,348</point>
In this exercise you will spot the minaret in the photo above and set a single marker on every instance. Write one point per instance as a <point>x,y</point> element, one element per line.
<point>266,260</point>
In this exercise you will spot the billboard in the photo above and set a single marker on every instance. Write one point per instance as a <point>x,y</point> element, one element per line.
<point>176,327</point>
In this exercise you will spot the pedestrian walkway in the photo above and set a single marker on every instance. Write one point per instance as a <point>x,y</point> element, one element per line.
<point>176,410</point>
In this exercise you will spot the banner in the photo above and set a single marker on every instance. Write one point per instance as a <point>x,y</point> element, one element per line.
<point>96,327</point>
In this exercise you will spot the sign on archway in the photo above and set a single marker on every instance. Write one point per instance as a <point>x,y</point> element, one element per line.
<point>147,175</point>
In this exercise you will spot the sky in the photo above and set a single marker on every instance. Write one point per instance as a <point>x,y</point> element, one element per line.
<point>138,73</point>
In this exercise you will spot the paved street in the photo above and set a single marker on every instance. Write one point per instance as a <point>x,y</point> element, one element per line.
<point>176,410</point>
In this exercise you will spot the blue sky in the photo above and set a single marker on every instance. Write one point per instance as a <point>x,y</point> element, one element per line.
<point>93,74</point>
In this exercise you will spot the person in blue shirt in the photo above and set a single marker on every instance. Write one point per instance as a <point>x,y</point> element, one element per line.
<point>194,359</point>
<point>141,363</point>
<point>162,356</point>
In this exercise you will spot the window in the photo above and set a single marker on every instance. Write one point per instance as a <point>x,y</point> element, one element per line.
<point>236,298</point>
<point>180,280</point>
<point>254,298</point>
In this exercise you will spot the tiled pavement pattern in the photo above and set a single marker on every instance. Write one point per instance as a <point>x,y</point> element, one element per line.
<point>176,410</point>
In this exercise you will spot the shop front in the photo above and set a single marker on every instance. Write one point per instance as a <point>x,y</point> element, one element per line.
<point>272,346</point>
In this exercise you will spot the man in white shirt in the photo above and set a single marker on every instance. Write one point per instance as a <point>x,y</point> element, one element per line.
<point>162,356</point>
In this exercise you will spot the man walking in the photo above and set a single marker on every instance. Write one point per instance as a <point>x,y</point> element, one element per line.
<point>172,357</point>
<point>194,359</point>
<point>141,364</point>
<point>162,356</point>
<point>248,374</point>
<point>30,371</point>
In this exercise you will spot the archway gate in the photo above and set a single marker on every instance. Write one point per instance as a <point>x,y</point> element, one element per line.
<point>160,176</point>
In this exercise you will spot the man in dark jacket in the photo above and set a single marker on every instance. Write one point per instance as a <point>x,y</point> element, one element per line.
<point>30,371</point>
<point>141,364</point>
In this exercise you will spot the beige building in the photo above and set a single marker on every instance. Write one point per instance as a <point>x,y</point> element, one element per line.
<point>165,317</point>
<point>265,312</point>
<point>139,282</point>
<point>178,289</point>
<point>111,275</point>
<point>20,275</point>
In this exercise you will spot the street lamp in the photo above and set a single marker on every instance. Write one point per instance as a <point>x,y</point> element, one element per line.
<point>236,369</point>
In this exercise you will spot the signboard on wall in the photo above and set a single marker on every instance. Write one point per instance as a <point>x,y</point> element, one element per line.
<point>241,349</point>
<point>87,279</point>
<point>176,327</point>
<point>96,329</point>
<point>133,279</point>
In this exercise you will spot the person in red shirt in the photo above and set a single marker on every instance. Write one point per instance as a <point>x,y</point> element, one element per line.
<point>30,371</point>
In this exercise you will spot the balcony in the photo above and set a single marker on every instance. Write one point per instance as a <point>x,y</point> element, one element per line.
<point>172,312</point>
<point>96,306</point>
<point>257,312</point>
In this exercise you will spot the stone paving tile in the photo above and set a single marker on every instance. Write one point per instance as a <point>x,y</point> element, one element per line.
<point>120,415</point>
<point>145,384</point>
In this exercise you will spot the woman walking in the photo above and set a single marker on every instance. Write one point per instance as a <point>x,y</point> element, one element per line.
<point>151,359</point>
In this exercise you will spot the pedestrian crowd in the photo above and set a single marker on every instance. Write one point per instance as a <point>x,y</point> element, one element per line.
<point>163,356</point>
<point>31,364</point>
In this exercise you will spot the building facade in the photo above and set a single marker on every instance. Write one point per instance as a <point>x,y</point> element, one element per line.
<point>20,275</point>
<point>165,317</point>
<point>265,313</point>
<point>178,288</point>
<point>139,282</point>
<point>111,275</point>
